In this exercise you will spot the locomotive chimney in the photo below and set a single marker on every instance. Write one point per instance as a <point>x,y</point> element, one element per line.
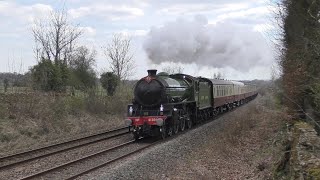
<point>152,72</point>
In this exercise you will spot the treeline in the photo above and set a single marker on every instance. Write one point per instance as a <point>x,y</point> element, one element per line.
<point>65,64</point>
<point>14,79</point>
<point>300,61</point>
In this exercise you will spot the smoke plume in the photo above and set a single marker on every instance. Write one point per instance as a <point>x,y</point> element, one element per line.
<point>220,45</point>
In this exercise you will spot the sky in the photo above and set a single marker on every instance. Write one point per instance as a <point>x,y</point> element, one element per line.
<point>232,37</point>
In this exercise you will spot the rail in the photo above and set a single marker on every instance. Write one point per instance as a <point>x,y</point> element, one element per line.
<point>75,161</point>
<point>27,153</point>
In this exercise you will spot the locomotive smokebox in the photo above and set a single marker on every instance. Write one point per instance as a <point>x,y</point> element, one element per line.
<point>149,91</point>
<point>152,72</point>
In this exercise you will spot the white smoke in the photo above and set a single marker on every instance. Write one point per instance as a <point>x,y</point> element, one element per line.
<point>220,45</point>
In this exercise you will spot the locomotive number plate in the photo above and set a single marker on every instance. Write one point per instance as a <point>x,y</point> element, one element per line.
<point>146,113</point>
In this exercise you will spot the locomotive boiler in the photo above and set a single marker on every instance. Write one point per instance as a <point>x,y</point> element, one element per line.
<point>154,90</point>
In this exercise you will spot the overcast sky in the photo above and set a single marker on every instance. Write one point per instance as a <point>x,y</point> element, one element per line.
<point>204,37</point>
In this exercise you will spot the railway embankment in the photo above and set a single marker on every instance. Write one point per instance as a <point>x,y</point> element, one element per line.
<point>302,158</point>
<point>33,120</point>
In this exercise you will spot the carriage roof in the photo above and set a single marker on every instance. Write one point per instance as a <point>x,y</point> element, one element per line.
<point>221,82</point>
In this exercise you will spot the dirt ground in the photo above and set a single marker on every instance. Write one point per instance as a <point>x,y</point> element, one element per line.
<point>249,146</point>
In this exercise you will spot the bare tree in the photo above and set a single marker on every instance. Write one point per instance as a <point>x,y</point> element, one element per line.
<point>172,69</point>
<point>217,75</point>
<point>83,58</point>
<point>120,57</point>
<point>55,36</point>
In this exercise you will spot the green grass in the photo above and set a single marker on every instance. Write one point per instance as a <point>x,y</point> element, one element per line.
<point>314,173</point>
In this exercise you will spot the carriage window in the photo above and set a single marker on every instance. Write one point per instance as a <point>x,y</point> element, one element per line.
<point>224,91</point>
<point>217,89</point>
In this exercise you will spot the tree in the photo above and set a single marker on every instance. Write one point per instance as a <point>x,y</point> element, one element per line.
<point>172,69</point>
<point>109,81</point>
<point>6,84</point>
<point>120,57</point>
<point>300,57</point>
<point>217,75</point>
<point>81,64</point>
<point>55,37</point>
<point>48,76</point>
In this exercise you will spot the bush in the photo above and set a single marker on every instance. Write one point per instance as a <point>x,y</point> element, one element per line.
<point>5,84</point>
<point>75,105</point>
<point>95,104</point>
<point>59,109</point>
<point>123,95</point>
<point>109,82</point>
<point>48,76</point>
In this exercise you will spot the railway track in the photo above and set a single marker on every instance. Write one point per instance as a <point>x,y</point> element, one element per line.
<point>80,166</point>
<point>89,163</point>
<point>119,158</point>
<point>14,160</point>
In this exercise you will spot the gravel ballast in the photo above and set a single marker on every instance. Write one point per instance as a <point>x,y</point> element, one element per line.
<point>155,162</point>
<point>41,164</point>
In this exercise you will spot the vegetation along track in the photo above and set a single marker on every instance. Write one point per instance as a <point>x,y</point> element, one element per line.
<point>14,160</point>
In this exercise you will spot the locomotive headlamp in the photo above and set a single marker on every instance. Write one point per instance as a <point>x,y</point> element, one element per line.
<point>128,122</point>
<point>161,108</point>
<point>130,110</point>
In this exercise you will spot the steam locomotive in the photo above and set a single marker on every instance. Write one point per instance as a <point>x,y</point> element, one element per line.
<point>165,104</point>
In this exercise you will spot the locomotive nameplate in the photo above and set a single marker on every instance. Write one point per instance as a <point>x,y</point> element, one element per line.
<point>152,119</point>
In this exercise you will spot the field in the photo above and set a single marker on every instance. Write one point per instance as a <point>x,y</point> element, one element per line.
<point>28,90</point>
<point>29,118</point>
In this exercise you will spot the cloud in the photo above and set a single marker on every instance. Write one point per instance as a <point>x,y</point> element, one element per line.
<point>132,33</point>
<point>222,45</point>
<point>250,13</point>
<point>187,8</point>
<point>100,19</point>
<point>23,12</point>
<point>109,12</point>
<point>90,31</point>
<point>264,27</point>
